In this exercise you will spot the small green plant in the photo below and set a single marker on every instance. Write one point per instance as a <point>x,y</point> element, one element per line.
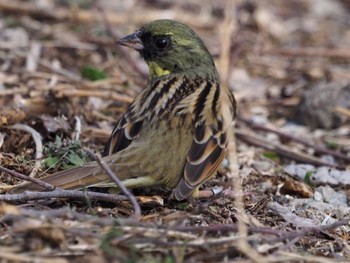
<point>270,155</point>
<point>331,145</point>
<point>307,178</point>
<point>65,154</point>
<point>92,73</point>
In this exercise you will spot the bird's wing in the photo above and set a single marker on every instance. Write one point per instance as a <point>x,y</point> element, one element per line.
<point>210,140</point>
<point>123,134</point>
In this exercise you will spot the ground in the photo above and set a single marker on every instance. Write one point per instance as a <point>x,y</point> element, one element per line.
<point>64,83</point>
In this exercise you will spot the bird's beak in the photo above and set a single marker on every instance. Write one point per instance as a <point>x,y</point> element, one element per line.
<point>133,41</point>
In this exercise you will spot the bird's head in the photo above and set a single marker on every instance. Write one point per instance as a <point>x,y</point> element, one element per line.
<point>170,47</point>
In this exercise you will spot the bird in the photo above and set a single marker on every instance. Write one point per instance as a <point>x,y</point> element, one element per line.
<point>175,133</point>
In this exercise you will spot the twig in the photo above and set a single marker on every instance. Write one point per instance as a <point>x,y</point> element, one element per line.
<point>2,139</point>
<point>14,256</point>
<point>38,145</point>
<point>105,94</point>
<point>86,16</point>
<point>115,179</point>
<point>317,148</point>
<point>293,257</point>
<point>54,192</point>
<point>59,193</point>
<point>13,91</point>
<point>68,74</point>
<point>318,229</point>
<point>27,178</point>
<point>77,129</point>
<point>308,52</point>
<point>45,63</point>
<point>280,149</point>
<point>226,228</point>
<point>343,111</point>
<point>229,26</point>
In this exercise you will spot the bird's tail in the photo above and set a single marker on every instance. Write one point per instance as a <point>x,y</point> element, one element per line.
<point>75,178</point>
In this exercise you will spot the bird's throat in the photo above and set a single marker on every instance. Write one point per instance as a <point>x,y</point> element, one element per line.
<point>155,70</point>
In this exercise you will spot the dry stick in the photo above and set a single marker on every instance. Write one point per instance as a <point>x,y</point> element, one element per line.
<point>87,16</point>
<point>308,52</point>
<point>68,74</point>
<point>280,149</point>
<point>59,193</point>
<point>67,212</point>
<point>311,230</point>
<point>45,63</point>
<point>104,94</point>
<point>12,255</point>
<point>55,192</point>
<point>77,129</point>
<point>15,174</point>
<point>343,111</point>
<point>115,179</point>
<point>293,257</point>
<point>226,228</point>
<point>317,148</point>
<point>229,27</point>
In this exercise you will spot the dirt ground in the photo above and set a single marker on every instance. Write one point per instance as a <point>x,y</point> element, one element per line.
<point>64,83</point>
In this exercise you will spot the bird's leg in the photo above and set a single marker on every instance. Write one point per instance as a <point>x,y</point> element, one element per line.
<point>211,193</point>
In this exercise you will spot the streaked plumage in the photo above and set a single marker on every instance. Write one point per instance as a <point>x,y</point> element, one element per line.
<point>175,131</point>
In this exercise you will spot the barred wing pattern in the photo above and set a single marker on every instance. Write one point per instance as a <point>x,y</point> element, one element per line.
<point>213,109</point>
<point>209,106</point>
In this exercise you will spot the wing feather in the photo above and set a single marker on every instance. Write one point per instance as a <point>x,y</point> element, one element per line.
<point>122,136</point>
<point>215,111</point>
<point>199,167</point>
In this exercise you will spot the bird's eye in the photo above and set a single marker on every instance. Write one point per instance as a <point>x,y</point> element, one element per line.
<point>162,43</point>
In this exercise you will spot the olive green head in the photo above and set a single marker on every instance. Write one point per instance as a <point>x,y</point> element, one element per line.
<point>171,47</point>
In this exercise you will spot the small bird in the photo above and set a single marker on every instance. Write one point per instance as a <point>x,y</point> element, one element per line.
<point>175,133</point>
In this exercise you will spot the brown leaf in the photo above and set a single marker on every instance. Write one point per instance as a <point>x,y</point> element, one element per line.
<point>297,188</point>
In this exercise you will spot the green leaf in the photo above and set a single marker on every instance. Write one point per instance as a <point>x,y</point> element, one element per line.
<point>73,159</point>
<point>169,259</point>
<point>307,178</point>
<point>331,145</point>
<point>51,161</point>
<point>183,206</point>
<point>270,155</point>
<point>92,73</point>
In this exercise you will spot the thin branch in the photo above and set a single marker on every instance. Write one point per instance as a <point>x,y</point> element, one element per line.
<point>115,179</point>
<point>15,174</point>
<point>54,192</point>
<point>59,193</point>
<point>89,16</point>
<point>317,148</point>
<point>47,64</point>
<point>280,149</point>
<point>310,230</point>
<point>77,129</point>
<point>344,111</point>
<point>308,52</point>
